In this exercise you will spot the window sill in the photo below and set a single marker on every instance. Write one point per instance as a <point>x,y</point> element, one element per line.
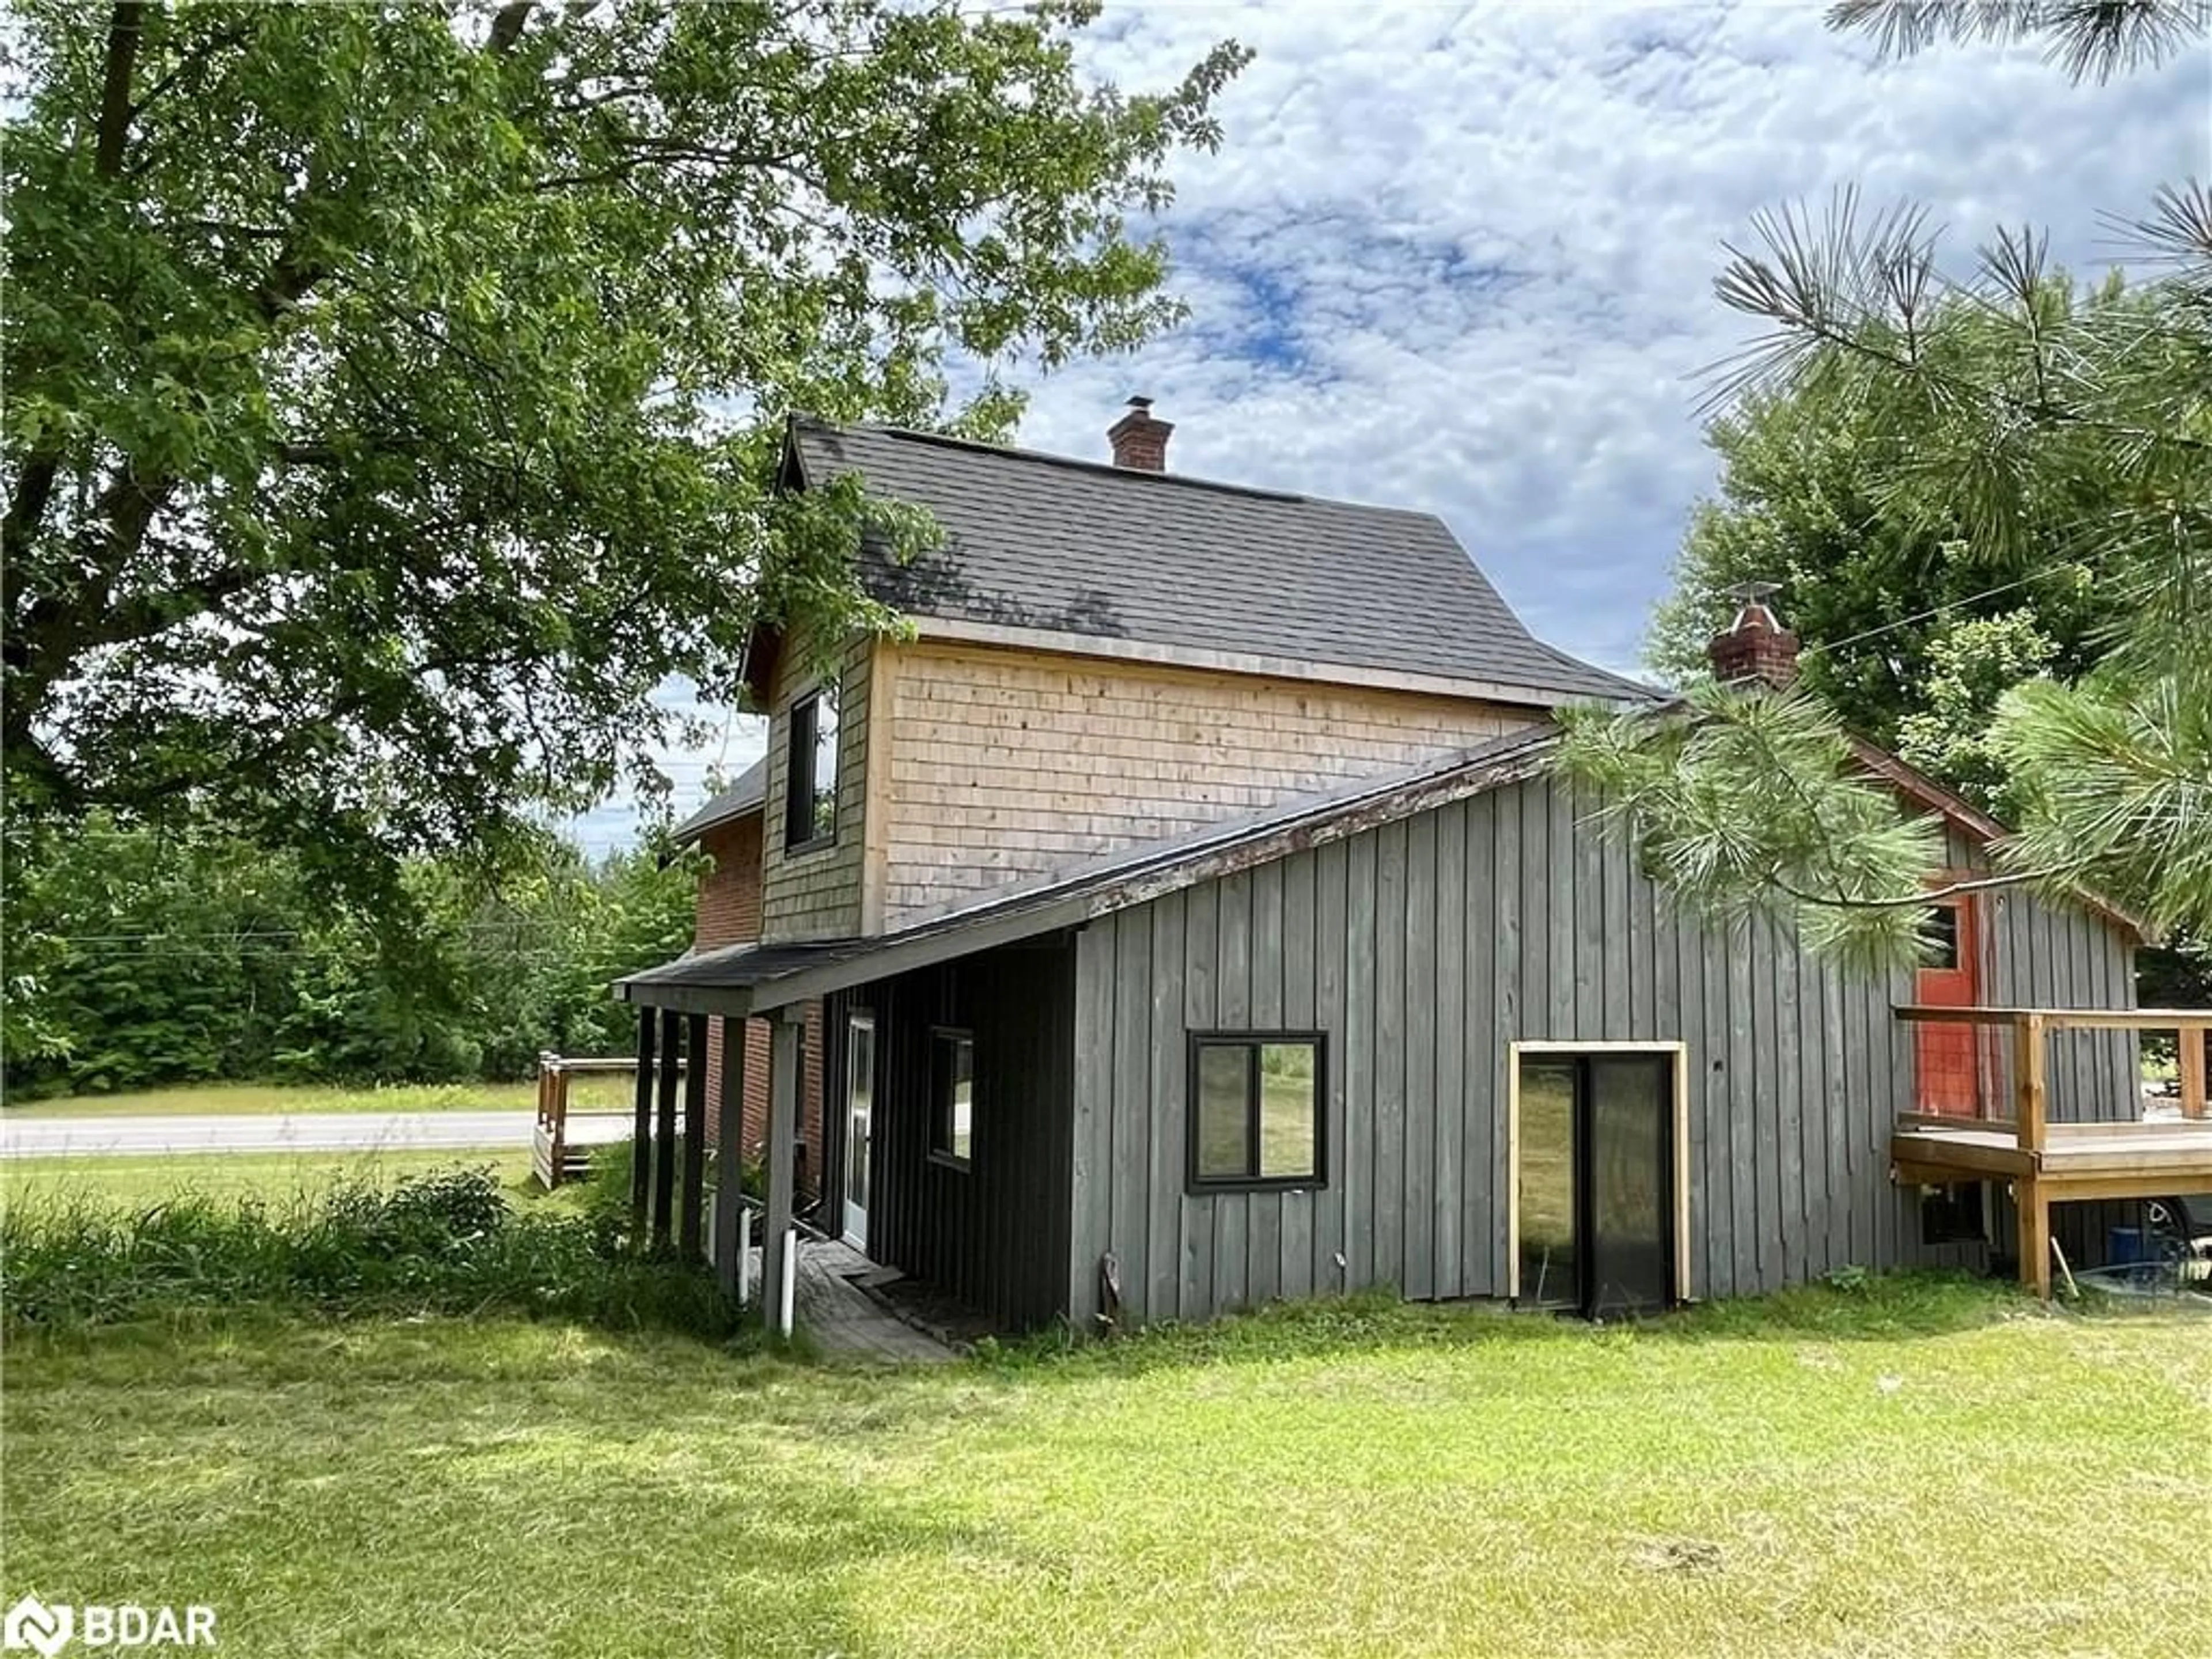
<point>947,1161</point>
<point>808,848</point>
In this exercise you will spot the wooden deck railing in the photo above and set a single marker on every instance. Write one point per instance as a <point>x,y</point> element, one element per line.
<point>550,1147</point>
<point>2047,1161</point>
<point>2032,1029</point>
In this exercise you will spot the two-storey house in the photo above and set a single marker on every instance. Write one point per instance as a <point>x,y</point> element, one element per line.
<point>1184,915</point>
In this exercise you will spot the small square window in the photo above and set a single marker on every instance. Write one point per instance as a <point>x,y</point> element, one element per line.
<point>809,800</point>
<point>952,1097</point>
<point>1256,1114</point>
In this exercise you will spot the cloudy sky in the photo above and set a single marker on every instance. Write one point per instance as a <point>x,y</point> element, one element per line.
<point>1460,257</point>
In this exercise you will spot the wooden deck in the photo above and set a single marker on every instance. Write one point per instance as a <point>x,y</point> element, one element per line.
<point>2137,1157</point>
<point>561,1147</point>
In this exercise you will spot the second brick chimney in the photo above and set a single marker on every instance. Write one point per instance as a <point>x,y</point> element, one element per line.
<point>1755,649</point>
<point>1140,442</point>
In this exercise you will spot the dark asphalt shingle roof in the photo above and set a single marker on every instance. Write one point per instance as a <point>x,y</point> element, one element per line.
<point>1046,542</point>
<point>745,795</point>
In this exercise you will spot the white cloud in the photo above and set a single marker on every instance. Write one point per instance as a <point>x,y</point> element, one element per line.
<point>1460,257</point>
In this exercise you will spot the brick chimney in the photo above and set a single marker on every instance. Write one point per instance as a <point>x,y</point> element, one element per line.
<point>1755,649</point>
<point>1140,443</point>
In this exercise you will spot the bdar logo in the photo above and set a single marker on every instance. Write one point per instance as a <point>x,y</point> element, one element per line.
<point>32,1624</point>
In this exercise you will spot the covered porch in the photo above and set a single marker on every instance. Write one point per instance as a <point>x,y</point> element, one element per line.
<point>2098,1149</point>
<point>902,1226</point>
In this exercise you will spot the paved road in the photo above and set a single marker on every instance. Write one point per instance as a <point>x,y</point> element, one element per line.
<point>303,1132</point>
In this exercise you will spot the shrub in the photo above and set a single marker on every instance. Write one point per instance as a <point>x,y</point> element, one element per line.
<point>607,1191</point>
<point>442,1243</point>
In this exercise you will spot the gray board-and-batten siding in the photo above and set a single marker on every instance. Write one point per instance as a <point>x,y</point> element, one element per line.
<point>1423,948</point>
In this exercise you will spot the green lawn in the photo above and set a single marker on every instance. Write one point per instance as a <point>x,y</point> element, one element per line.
<point>224,1099</point>
<point>1905,1469</point>
<point>138,1182</point>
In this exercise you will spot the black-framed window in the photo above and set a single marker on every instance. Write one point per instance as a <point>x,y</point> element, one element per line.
<point>1256,1116</point>
<point>951,1097</point>
<point>810,798</point>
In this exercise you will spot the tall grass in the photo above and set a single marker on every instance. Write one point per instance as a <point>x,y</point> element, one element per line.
<point>445,1242</point>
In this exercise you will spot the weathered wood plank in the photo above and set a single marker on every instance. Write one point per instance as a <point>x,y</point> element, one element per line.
<point>1330,1005</point>
<point>1451,1017</point>
<point>1131,1103</point>
<point>1090,1144</point>
<point>1233,946</point>
<point>1390,1161</point>
<point>1498,827</point>
<point>1570,966</point>
<point>1169,1121</point>
<point>1294,1276</point>
<point>1740,1044</point>
<point>1838,1107</point>
<point>1359,1062</point>
<point>1534,959</point>
<point>1419,1037</point>
<point>1263,1242</point>
<point>1202,1013</point>
<point>1618,939</point>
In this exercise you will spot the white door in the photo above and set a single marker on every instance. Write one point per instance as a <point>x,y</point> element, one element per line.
<point>860,1112</point>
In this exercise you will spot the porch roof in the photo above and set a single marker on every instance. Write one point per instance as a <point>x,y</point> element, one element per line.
<point>757,978</point>
<point>748,794</point>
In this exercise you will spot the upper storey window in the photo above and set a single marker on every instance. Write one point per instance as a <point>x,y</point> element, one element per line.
<point>810,801</point>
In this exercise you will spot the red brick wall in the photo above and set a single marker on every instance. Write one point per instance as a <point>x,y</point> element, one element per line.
<point>730,914</point>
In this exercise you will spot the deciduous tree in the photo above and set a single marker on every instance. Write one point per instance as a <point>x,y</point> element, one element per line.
<point>393,390</point>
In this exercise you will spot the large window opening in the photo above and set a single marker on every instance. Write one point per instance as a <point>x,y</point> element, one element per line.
<point>1597,1199</point>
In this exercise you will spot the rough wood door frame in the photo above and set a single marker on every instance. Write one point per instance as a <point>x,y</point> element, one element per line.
<point>1679,1052</point>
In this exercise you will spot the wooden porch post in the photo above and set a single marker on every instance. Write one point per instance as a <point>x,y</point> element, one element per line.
<point>642,1126</point>
<point>2028,1195</point>
<point>695,1143</point>
<point>730,1137</point>
<point>2029,1060</point>
<point>783,1082</point>
<point>664,1135</point>
<point>2034,1209</point>
<point>2189,1047</point>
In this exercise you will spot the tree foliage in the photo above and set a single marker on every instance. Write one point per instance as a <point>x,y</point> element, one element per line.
<point>1907,595</point>
<point>138,957</point>
<point>1990,389</point>
<point>394,389</point>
